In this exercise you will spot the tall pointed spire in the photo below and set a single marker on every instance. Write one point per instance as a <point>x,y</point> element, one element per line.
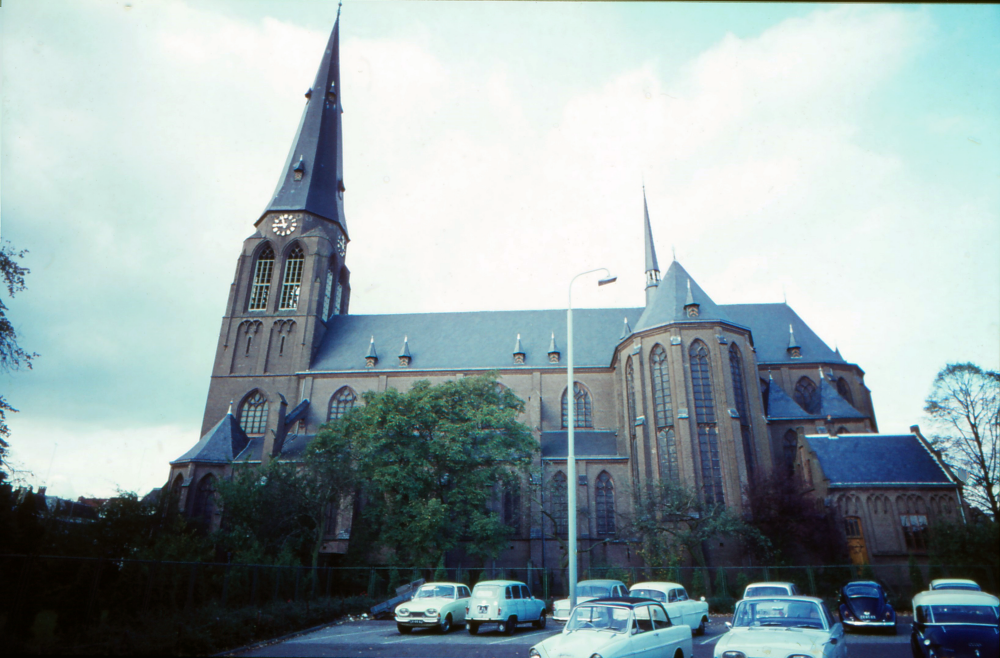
<point>313,177</point>
<point>652,267</point>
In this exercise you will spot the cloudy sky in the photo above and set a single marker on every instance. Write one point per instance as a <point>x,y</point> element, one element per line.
<point>846,157</point>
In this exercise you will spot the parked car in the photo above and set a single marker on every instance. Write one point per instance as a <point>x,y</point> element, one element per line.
<point>618,627</point>
<point>587,590</point>
<point>770,589</point>
<point>435,605</point>
<point>506,603</point>
<point>864,604</point>
<point>681,608</point>
<point>955,583</point>
<point>780,626</point>
<point>955,623</point>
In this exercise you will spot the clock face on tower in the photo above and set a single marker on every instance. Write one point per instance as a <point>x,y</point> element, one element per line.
<point>341,245</point>
<point>284,224</point>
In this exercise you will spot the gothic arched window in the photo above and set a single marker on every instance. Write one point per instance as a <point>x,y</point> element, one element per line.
<point>666,447</point>
<point>292,282</point>
<point>765,385</point>
<point>630,396</point>
<point>341,402</point>
<point>739,390</point>
<point>253,413</point>
<point>789,446</point>
<point>604,492</point>
<point>204,499</point>
<point>581,407</point>
<point>262,279</point>
<point>845,390</point>
<point>660,376</point>
<point>807,395</point>
<point>708,433</point>
<point>560,506</point>
<point>327,295</point>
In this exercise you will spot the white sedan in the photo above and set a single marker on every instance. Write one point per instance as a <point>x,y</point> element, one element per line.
<point>681,608</point>
<point>435,605</point>
<point>799,626</point>
<point>616,628</point>
<point>587,590</point>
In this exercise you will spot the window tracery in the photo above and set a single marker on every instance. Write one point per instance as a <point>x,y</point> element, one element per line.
<point>708,434</point>
<point>845,390</point>
<point>666,448</point>
<point>253,413</point>
<point>292,283</point>
<point>263,271</point>
<point>342,401</point>
<point>807,395</point>
<point>582,407</point>
<point>660,376</point>
<point>605,504</point>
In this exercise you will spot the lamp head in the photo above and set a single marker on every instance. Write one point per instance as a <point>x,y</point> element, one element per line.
<point>605,281</point>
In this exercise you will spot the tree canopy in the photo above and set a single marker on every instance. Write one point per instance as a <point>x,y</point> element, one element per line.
<point>964,407</point>
<point>12,356</point>
<point>430,462</point>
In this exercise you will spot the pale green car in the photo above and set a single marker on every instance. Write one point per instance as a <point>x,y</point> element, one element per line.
<point>435,605</point>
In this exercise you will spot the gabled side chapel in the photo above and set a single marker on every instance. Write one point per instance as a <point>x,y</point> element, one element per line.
<point>681,389</point>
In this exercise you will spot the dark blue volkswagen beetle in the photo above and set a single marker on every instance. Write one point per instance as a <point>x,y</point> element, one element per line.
<point>955,624</point>
<point>863,604</point>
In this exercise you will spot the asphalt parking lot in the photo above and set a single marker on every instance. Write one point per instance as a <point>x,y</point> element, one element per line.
<point>380,639</point>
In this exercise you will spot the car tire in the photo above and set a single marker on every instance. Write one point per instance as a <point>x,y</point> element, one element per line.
<point>541,620</point>
<point>473,627</point>
<point>445,626</point>
<point>508,627</point>
<point>403,630</point>
<point>701,628</point>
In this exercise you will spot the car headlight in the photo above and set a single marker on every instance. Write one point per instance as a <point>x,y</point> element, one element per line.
<point>403,612</point>
<point>534,653</point>
<point>733,654</point>
<point>596,655</point>
<point>432,611</point>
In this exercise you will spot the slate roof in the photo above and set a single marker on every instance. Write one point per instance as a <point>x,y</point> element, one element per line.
<point>318,145</point>
<point>877,460</point>
<point>219,445</point>
<point>769,323</point>
<point>473,340</point>
<point>832,403</point>
<point>252,452</point>
<point>586,443</point>
<point>667,301</point>
<point>780,405</point>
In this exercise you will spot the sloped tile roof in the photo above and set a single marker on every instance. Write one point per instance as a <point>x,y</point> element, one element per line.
<point>877,460</point>
<point>219,445</point>
<point>779,405</point>
<point>769,323</point>
<point>833,404</point>
<point>668,300</point>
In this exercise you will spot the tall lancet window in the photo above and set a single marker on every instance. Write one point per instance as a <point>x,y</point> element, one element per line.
<point>581,407</point>
<point>262,279</point>
<point>604,499</point>
<point>293,280</point>
<point>708,433</point>
<point>560,504</point>
<point>338,299</point>
<point>807,395</point>
<point>327,294</point>
<point>666,444</point>
<point>740,391</point>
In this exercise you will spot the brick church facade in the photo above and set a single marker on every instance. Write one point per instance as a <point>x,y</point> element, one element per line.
<point>682,389</point>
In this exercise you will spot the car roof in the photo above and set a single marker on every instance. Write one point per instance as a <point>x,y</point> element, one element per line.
<point>622,600</point>
<point>770,584</point>
<point>600,581</point>
<point>499,582</point>
<point>954,597</point>
<point>441,582</point>
<point>957,581</point>
<point>656,584</point>
<point>786,597</point>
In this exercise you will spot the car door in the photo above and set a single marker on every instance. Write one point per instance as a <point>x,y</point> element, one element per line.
<point>668,636</point>
<point>531,608</point>
<point>688,608</point>
<point>644,640</point>
<point>464,599</point>
<point>518,606</point>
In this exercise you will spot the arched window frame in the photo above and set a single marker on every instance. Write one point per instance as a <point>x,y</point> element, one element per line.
<point>807,394</point>
<point>560,504</point>
<point>844,389</point>
<point>742,407</point>
<point>204,499</point>
<point>659,370</point>
<point>341,402</point>
<point>263,272</point>
<point>291,282</point>
<point>708,433</point>
<point>789,449</point>
<point>253,412</point>
<point>604,503</point>
<point>582,408</point>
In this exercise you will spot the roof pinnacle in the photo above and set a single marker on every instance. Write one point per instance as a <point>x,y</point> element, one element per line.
<point>230,412</point>
<point>626,331</point>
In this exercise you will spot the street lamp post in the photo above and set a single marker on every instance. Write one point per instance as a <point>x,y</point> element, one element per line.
<point>571,483</point>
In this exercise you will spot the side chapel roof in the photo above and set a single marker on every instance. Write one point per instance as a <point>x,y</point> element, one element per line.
<point>221,444</point>
<point>877,460</point>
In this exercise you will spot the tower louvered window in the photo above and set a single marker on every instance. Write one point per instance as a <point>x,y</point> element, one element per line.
<point>605,504</point>
<point>560,506</point>
<point>253,414</point>
<point>739,390</point>
<point>293,280</point>
<point>262,280</point>
<point>582,406</point>
<point>708,433</point>
<point>807,395</point>
<point>342,402</point>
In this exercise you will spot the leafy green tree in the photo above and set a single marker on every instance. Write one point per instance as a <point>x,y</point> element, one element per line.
<point>12,356</point>
<point>964,407</point>
<point>429,462</point>
<point>967,546</point>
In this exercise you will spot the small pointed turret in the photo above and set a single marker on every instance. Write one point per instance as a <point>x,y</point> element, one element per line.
<point>230,412</point>
<point>626,331</point>
<point>794,349</point>
<point>313,176</point>
<point>652,267</point>
<point>553,350</point>
<point>404,354</point>
<point>691,308</point>
<point>518,352</point>
<point>372,357</point>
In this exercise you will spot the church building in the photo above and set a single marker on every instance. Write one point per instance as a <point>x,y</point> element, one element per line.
<point>682,389</point>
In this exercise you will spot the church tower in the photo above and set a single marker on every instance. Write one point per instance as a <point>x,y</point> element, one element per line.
<point>291,277</point>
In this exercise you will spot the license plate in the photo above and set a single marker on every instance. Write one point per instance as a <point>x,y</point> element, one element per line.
<point>484,608</point>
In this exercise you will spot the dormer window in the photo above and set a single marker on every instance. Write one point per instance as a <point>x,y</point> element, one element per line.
<point>299,170</point>
<point>331,94</point>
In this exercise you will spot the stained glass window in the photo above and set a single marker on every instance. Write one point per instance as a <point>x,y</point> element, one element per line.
<point>253,415</point>
<point>605,504</point>
<point>845,390</point>
<point>293,280</point>
<point>666,446</point>
<point>739,390</point>
<point>581,408</point>
<point>708,434</point>
<point>560,505</point>
<point>660,376</point>
<point>262,279</point>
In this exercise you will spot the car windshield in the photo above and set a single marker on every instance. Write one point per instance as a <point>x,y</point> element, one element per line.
<point>596,591</point>
<point>436,591</point>
<point>770,590</point>
<point>486,591</point>
<point>967,586</point>
<point>862,591</point>
<point>654,594</point>
<point>964,614</point>
<point>599,617</point>
<point>786,613</point>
